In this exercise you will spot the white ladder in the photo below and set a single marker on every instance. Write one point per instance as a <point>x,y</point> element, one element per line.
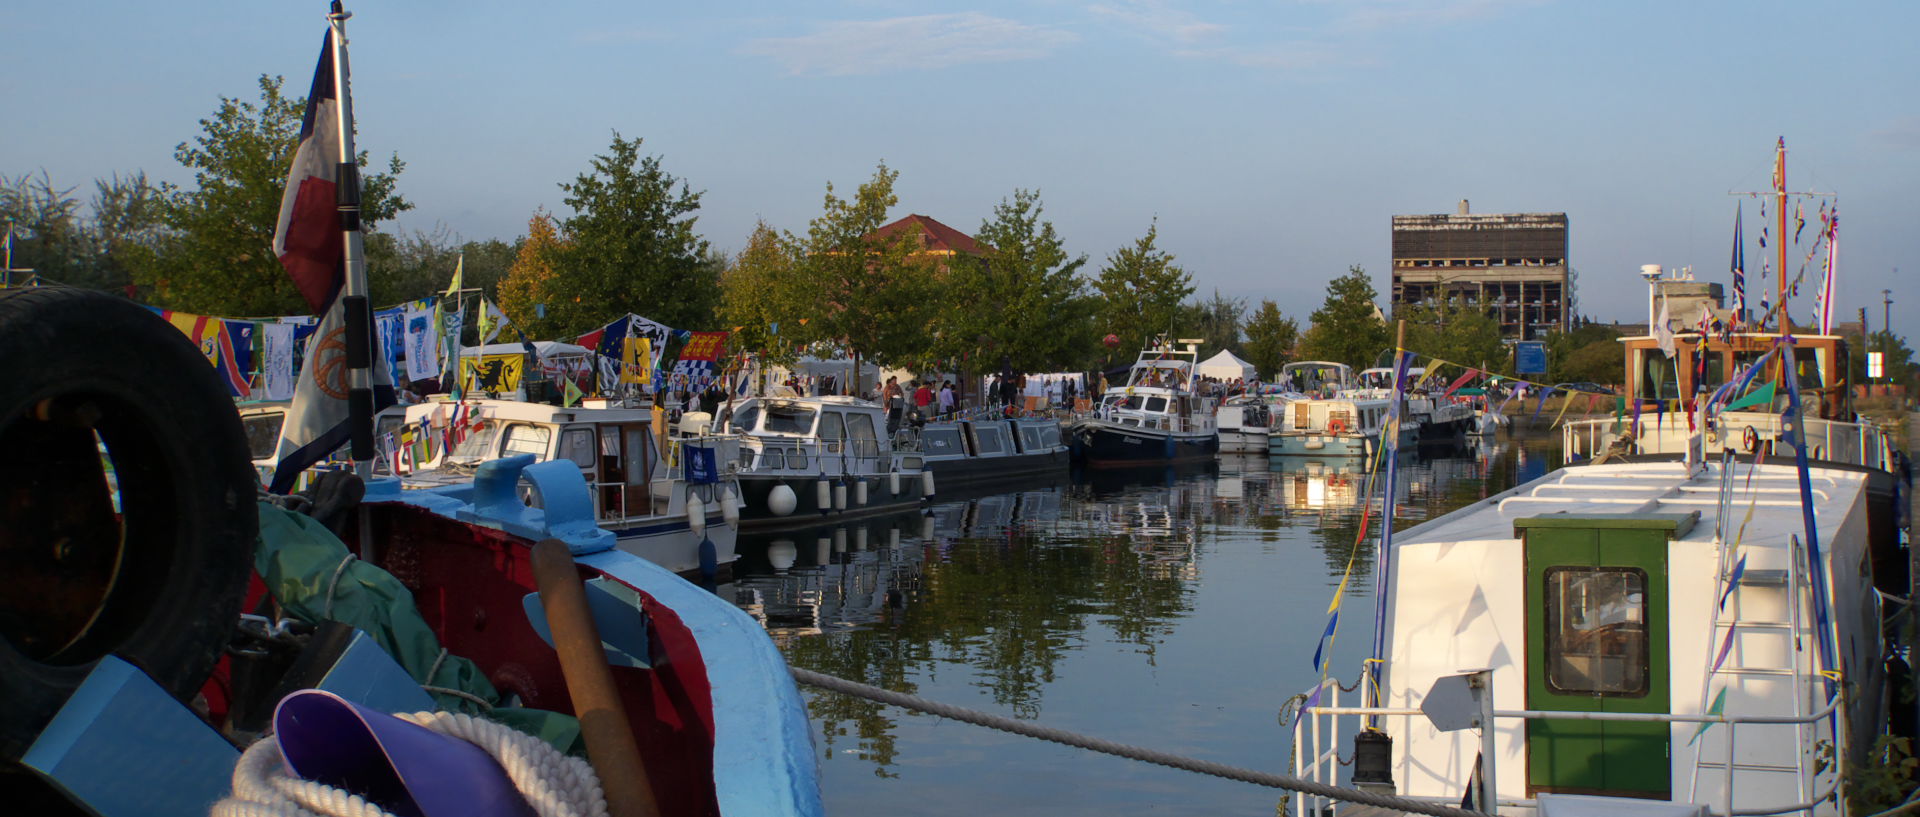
<point>1729,622</point>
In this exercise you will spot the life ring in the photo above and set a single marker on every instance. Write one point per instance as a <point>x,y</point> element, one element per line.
<point>1750,440</point>
<point>155,578</point>
<point>1336,426</point>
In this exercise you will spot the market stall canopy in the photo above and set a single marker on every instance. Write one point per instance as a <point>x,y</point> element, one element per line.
<point>1227,366</point>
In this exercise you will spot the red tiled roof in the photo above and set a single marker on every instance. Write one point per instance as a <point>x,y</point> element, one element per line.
<point>934,236</point>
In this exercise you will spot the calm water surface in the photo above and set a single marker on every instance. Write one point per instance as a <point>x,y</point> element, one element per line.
<point>1170,608</point>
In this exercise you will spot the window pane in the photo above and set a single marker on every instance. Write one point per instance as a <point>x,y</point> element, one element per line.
<point>832,427</point>
<point>577,445</point>
<point>526,439</point>
<point>1597,630</point>
<point>1156,404</point>
<point>989,440</point>
<point>789,420</point>
<point>744,420</point>
<point>941,441</point>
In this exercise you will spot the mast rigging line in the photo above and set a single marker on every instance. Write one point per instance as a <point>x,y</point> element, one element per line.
<point>1061,736</point>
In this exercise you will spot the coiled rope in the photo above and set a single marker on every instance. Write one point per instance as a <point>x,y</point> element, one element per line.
<point>1061,736</point>
<point>554,784</point>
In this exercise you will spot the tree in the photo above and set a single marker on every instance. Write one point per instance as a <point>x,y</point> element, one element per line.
<point>757,292</point>
<point>1588,354</point>
<point>629,246</point>
<point>1270,339</point>
<point>91,246</point>
<point>217,253</point>
<point>1008,307</point>
<point>1217,321</point>
<point>1458,332</point>
<point>1347,326</point>
<point>1141,290</point>
<point>523,293</point>
<point>873,294</point>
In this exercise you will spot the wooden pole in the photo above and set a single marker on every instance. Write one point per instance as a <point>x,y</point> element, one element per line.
<point>1780,238</point>
<point>596,702</point>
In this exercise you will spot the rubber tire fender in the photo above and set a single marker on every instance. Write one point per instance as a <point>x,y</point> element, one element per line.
<point>179,557</point>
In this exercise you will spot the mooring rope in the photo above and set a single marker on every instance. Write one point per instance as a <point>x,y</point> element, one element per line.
<point>1061,736</point>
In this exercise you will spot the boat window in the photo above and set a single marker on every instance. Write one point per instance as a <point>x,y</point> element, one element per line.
<point>526,439</point>
<point>860,428</point>
<point>988,440</point>
<point>1716,370</point>
<point>577,444</point>
<point>941,442</point>
<point>1659,378</point>
<point>789,420</point>
<point>639,455</point>
<point>1596,631</point>
<point>263,433</point>
<point>1156,404</point>
<point>745,418</point>
<point>1345,419</point>
<point>1035,438</point>
<point>1807,368</point>
<point>1049,436</point>
<point>478,444</point>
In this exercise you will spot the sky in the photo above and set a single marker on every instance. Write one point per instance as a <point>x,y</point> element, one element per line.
<point>1271,142</point>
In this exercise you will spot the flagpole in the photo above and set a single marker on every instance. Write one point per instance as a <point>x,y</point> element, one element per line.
<point>1780,243</point>
<point>359,316</point>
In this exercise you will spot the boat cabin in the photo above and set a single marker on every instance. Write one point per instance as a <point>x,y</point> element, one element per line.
<point>1701,364</point>
<point>813,436</point>
<point>1382,377</point>
<point>615,448</point>
<point>976,439</point>
<point>1312,376</point>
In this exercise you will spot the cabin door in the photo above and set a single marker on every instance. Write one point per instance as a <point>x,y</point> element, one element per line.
<point>1597,642</point>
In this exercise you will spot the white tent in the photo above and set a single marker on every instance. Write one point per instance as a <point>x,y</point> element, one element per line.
<point>1227,366</point>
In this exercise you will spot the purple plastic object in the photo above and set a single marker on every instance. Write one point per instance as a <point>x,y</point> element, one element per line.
<point>409,770</point>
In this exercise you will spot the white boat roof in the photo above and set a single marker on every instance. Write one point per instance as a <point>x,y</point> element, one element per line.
<point>1657,487</point>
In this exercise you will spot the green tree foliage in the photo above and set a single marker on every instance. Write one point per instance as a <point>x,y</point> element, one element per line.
<point>1008,308</point>
<point>1898,363</point>
<point>1270,339</point>
<point>1462,333</point>
<point>420,264</point>
<point>64,242</point>
<point>523,291</point>
<point>216,256</point>
<point>755,293</point>
<point>1588,354</point>
<point>874,295</point>
<point>1216,321</point>
<point>1141,291</point>
<point>1347,328</point>
<point>629,246</point>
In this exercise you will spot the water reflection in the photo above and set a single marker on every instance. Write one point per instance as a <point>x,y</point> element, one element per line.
<point>1004,597</point>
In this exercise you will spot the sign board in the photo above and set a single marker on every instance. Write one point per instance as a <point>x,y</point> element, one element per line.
<point>1873,365</point>
<point>1529,357</point>
<point>1452,704</point>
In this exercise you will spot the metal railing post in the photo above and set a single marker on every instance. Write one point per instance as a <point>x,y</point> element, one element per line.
<point>1489,788</point>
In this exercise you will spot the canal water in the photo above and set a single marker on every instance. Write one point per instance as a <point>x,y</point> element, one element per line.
<point>1175,609</point>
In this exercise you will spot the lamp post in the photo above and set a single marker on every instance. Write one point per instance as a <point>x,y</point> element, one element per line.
<point>1650,272</point>
<point>1886,328</point>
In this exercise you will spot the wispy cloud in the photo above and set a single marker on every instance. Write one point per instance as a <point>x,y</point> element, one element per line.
<point>1158,20</point>
<point>923,42</point>
<point>1377,14</point>
<point>1901,133</point>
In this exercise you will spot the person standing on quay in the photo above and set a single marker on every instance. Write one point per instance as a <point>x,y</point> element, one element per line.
<point>946,398</point>
<point>922,398</point>
<point>891,397</point>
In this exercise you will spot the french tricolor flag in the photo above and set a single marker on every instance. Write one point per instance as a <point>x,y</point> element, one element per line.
<point>312,242</point>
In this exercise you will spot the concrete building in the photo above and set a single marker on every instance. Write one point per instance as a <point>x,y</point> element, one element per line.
<point>1513,264</point>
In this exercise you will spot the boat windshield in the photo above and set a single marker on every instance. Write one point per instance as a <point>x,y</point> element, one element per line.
<point>478,444</point>
<point>789,419</point>
<point>263,433</point>
<point>744,420</point>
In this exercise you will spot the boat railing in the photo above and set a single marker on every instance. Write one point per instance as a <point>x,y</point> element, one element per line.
<point>1317,738</point>
<point>1834,441</point>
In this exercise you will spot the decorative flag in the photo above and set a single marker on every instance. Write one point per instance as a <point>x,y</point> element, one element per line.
<point>571,392</point>
<point>1663,333</point>
<point>1799,220</point>
<point>492,320</point>
<point>1461,381</point>
<point>1833,265</point>
<point>211,336</point>
<point>637,365</point>
<point>1739,265</point>
<point>701,354</point>
<point>492,373</point>
<point>276,365</point>
<point>423,345</point>
<point>312,246</point>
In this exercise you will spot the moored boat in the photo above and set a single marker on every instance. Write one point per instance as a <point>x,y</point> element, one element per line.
<point>803,459</point>
<point>959,452</point>
<point>1340,426</point>
<point>1244,422</point>
<point>1154,418</point>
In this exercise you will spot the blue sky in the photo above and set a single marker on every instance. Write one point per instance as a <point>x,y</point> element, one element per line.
<point>1272,140</point>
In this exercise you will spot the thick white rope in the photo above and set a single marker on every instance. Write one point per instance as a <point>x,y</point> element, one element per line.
<point>554,784</point>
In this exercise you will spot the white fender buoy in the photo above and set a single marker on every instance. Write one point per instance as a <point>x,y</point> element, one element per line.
<point>893,483</point>
<point>823,551</point>
<point>926,527</point>
<point>926,484</point>
<point>730,507</point>
<point>839,540</point>
<point>860,492</point>
<point>781,554</point>
<point>696,514</point>
<point>840,497</point>
<point>822,496</point>
<point>893,537</point>
<point>860,538</point>
<point>781,501</point>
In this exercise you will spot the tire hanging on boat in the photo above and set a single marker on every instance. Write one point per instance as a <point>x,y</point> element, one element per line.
<point>129,525</point>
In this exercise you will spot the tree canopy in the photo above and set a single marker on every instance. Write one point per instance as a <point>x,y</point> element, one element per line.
<point>215,252</point>
<point>1270,339</point>
<point>1347,327</point>
<point>1141,290</point>
<point>756,292</point>
<point>1462,333</point>
<point>1010,307</point>
<point>1216,321</point>
<point>876,295</point>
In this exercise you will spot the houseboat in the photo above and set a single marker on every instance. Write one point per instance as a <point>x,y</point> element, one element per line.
<point>1154,418</point>
<point>1441,419</point>
<point>1243,422</point>
<point>649,490</point>
<point>1316,378</point>
<point>1340,426</point>
<point>800,460</point>
<point>967,451</point>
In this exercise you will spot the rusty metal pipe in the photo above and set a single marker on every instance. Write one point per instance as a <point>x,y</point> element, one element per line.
<point>596,702</point>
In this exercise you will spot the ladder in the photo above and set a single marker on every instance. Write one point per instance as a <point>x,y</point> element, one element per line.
<point>1726,666</point>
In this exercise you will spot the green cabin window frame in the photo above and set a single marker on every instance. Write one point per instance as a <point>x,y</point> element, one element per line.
<point>1597,617</point>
